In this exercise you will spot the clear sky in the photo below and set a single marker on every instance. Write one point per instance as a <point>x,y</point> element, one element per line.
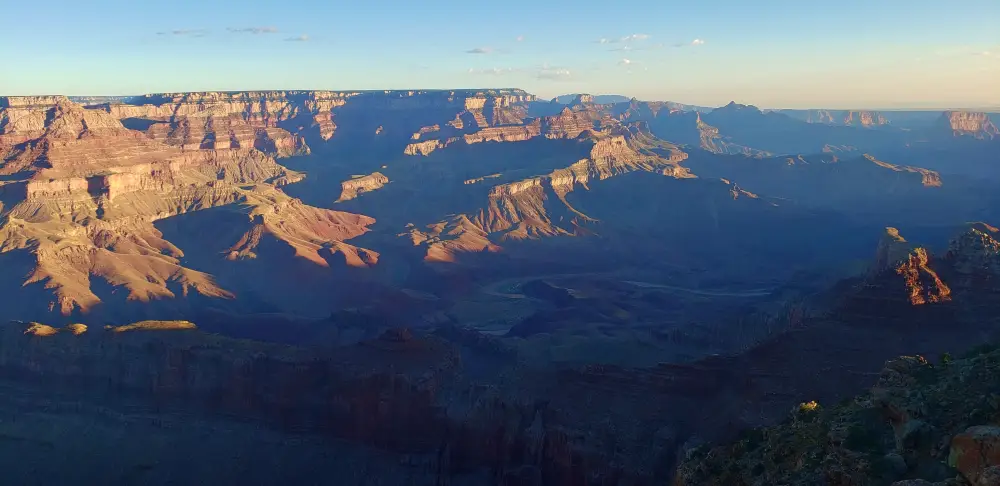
<point>772,53</point>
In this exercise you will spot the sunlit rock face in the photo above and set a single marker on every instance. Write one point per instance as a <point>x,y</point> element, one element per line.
<point>83,191</point>
<point>970,124</point>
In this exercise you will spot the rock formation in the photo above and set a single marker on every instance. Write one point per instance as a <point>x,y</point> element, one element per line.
<point>400,392</point>
<point>865,119</point>
<point>86,191</point>
<point>918,425</point>
<point>354,187</point>
<point>969,124</point>
<point>977,250</point>
<point>929,178</point>
<point>524,209</point>
<point>923,283</point>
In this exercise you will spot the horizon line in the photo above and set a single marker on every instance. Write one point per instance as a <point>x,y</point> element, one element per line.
<point>915,106</point>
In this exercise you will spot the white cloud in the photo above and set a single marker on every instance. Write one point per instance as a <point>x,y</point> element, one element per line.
<point>190,32</point>
<point>634,37</point>
<point>544,71</point>
<point>627,38</point>
<point>253,30</point>
<point>493,71</point>
<point>554,74</point>
<point>301,38</point>
<point>694,43</point>
<point>520,38</point>
<point>624,62</point>
<point>480,50</point>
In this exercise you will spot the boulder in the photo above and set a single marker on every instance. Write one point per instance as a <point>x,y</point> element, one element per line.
<point>976,451</point>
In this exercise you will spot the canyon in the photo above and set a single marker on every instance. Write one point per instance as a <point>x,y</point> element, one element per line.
<point>480,286</point>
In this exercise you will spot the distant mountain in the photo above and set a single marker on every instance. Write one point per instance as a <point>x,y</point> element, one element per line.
<point>968,124</point>
<point>598,99</point>
<point>867,119</point>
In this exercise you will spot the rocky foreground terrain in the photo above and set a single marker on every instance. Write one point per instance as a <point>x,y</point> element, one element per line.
<point>480,287</point>
<point>922,424</point>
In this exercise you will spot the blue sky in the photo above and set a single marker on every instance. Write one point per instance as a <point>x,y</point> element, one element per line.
<point>772,53</point>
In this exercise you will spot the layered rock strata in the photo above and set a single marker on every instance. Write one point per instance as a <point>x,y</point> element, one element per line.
<point>84,192</point>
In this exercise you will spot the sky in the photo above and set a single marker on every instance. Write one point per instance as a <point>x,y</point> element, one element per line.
<point>771,53</point>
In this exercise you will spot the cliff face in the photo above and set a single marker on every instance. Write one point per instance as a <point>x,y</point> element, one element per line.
<point>510,124</point>
<point>920,424</point>
<point>866,119</point>
<point>354,187</point>
<point>537,206</point>
<point>245,119</point>
<point>928,178</point>
<point>401,393</point>
<point>923,283</point>
<point>83,193</point>
<point>977,250</point>
<point>969,124</point>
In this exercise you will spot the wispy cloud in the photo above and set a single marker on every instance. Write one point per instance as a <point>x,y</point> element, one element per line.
<point>182,32</point>
<point>301,38</point>
<point>625,62</point>
<point>480,50</point>
<point>545,72</point>
<point>627,38</point>
<point>554,74</point>
<point>494,71</point>
<point>520,38</point>
<point>253,30</point>
<point>694,43</point>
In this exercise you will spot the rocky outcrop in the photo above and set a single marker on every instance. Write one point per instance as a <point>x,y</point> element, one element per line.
<point>911,428</point>
<point>928,178</point>
<point>923,283</point>
<point>354,187</point>
<point>509,133</point>
<point>84,192</point>
<point>975,452</point>
<point>976,250</point>
<point>423,148</point>
<point>230,132</point>
<point>892,249</point>
<point>265,108</point>
<point>524,209</point>
<point>571,123</point>
<point>969,124</point>
<point>424,131</point>
<point>865,119</point>
<point>713,142</point>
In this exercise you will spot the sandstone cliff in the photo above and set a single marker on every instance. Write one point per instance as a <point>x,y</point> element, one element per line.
<point>865,119</point>
<point>969,124</point>
<point>84,192</point>
<point>354,187</point>
<point>929,178</point>
<point>537,206</point>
